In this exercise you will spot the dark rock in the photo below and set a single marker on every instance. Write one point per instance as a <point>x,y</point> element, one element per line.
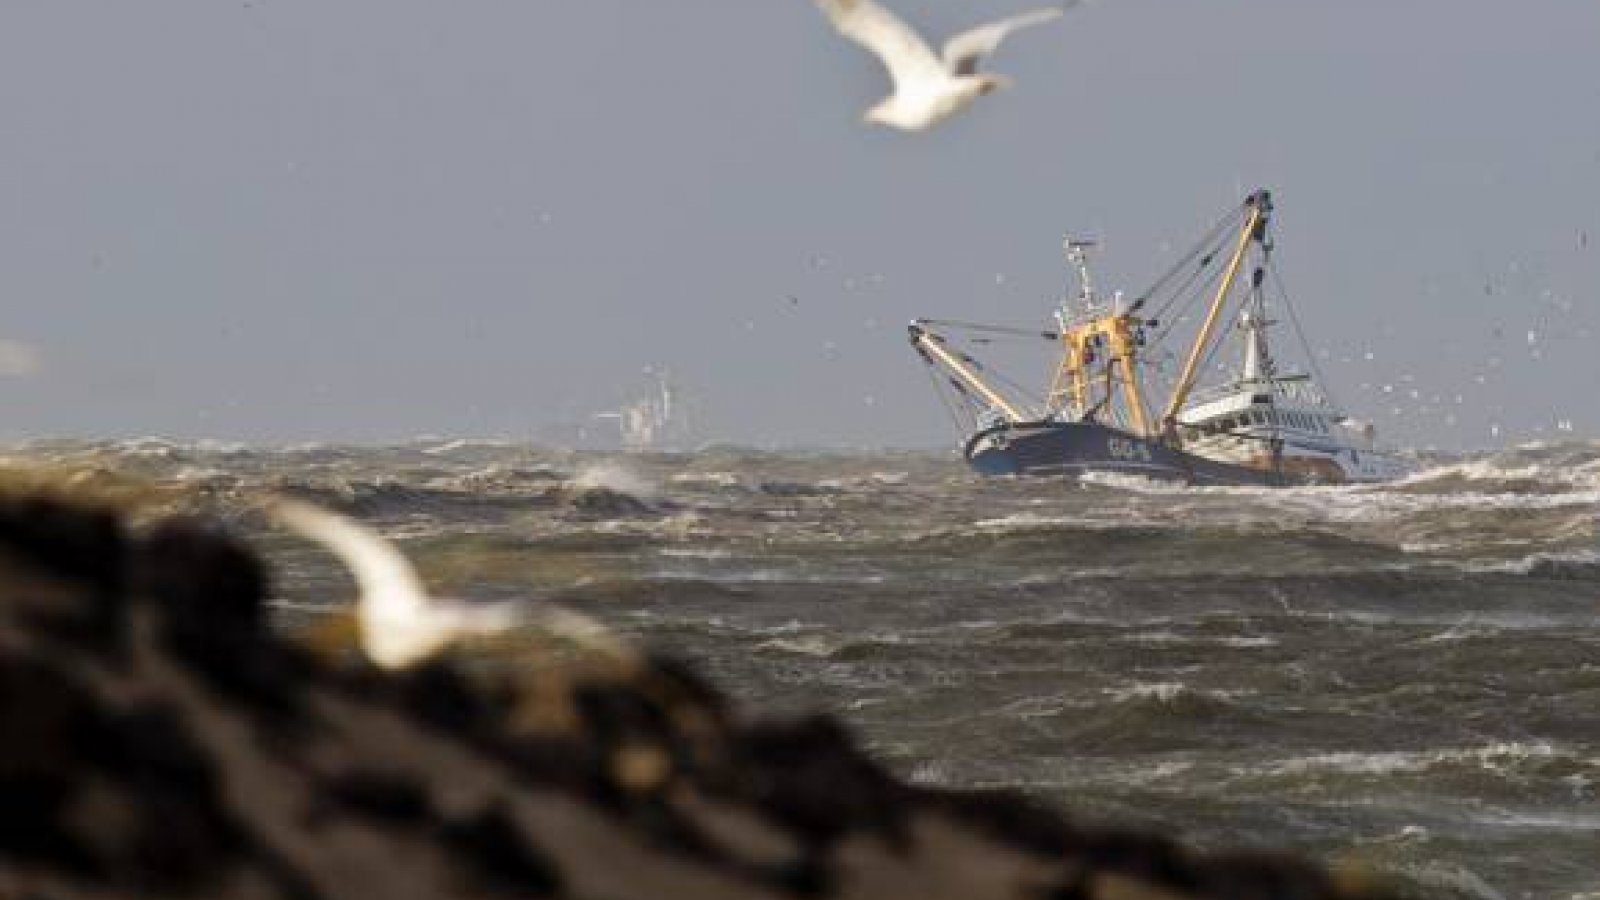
<point>391,799</point>
<point>64,541</point>
<point>43,710</point>
<point>163,825</point>
<point>209,596</point>
<point>1009,818</point>
<point>809,776</point>
<point>444,698</point>
<point>83,549</point>
<point>501,859</point>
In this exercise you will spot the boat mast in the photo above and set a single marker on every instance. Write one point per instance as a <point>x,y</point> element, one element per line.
<point>1260,205</point>
<point>1078,255</point>
<point>1259,367</point>
<point>1097,333</point>
<point>1070,381</point>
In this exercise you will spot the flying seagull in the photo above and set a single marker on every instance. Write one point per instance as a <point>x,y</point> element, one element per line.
<point>927,89</point>
<point>400,625</point>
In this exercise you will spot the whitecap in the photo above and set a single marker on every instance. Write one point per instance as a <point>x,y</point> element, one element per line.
<point>615,476</point>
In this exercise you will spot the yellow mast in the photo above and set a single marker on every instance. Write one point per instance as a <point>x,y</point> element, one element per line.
<point>1115,334</point>
<point>1071,382</point>
<point>1135,398</point>
<point>1064,384</point>
<point>1180,391</point>
<point>930,344</point>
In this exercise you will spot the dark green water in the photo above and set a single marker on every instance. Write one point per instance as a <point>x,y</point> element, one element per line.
<point>1406,675</point>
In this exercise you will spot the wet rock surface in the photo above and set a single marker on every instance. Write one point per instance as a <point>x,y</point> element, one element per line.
<point>160,740</point>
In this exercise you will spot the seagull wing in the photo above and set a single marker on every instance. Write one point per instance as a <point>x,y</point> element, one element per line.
<point>965,51</point>
<point>905,54</point>
<point>382,575</point>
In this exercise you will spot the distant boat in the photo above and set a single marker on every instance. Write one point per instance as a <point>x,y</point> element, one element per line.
<point>1262,426</point>
<point>657,420</point>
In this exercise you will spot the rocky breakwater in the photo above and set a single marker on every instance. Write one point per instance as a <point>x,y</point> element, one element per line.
<point>161,740</point>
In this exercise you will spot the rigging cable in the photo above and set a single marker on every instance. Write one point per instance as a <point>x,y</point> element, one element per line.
<point>1211,355</point>
<point>1196,293</point>
<point>1206,241</point>
<point>1213,246</point>
<point>991,329</point>
<point>1028,394</point>
<point>940,391</point>
<point>1294,319</point>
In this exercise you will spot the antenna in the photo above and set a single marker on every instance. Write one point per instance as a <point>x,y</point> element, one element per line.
<point>1077,250</point>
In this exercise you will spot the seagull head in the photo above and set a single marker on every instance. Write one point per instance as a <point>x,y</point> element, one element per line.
<point>986,83</point>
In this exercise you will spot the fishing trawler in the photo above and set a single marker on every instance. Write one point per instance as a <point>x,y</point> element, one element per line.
<point>1261,426</point>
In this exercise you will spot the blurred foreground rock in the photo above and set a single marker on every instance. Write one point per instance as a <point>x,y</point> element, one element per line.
<point>158,740</point>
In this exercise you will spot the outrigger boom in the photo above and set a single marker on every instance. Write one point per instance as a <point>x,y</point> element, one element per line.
<point>933,346</point>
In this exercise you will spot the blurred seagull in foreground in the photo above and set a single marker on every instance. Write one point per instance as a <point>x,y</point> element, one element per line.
<point>400,625</point>
<point>927,89</point>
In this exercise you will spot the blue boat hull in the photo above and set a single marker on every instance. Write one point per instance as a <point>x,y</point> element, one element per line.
<point>1072,449</point>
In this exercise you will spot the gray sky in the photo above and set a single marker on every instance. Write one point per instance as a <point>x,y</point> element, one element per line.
<point>371,219</point>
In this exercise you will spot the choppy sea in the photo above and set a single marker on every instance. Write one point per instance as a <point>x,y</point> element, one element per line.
<point>1406,675</point>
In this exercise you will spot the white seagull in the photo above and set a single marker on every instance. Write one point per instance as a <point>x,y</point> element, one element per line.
<point>927,89</point>
<point>400,625</point>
